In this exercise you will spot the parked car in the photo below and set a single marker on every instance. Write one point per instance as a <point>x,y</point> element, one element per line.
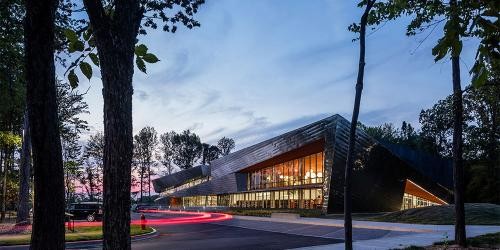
<point>138,207</point>
<point>90,211</point>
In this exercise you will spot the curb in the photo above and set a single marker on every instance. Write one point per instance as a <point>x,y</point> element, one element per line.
<point>93,243</point>
<point>97,243</point>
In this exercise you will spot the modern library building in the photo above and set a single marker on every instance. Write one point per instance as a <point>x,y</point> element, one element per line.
<point>304,169</point>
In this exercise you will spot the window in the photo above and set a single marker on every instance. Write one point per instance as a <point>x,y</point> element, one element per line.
<point>188,184</point>
<point>301,171</point>
<point>308,198</point>
<point>412,201</point>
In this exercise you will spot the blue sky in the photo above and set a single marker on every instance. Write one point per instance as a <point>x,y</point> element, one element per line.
<point>256,69</point>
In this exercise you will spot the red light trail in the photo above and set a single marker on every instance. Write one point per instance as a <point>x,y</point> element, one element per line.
<point>191,217</point>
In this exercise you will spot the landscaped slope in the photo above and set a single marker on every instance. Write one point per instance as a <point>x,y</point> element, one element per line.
<point>475,214</point>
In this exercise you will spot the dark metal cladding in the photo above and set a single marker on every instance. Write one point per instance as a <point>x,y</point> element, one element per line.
<point>181,177</point>
<point>379,174</point>
<point>268,149</point>
<point>426,164</point>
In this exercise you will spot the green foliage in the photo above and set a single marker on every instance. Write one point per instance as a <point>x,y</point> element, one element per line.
<point>187,149</point>
<point>482,186</point>
<point>209,153</point>
<point>9,140</point>
<point>141,50</point>
<point>140,64</point>
<point>70,106</point>
<point>73,79</point>
<point>76,46</point>
<point>145,143</point>
<point>93,157</point>
<point>12,87</point>
<point>86,69</point>
<point>166,152</point>
<point>94,58</point>
<point>481,119</point>
<point>406,135</point>
<point>481,133</point>
<point>70,35</point>
<point>150,58</point>
<point>80,40</point>
<point>225,145</point>
<point>463,19</point>
<point>142,56</point>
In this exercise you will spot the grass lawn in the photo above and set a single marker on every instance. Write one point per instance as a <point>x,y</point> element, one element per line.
<point>81,233</point>
<point>475,214</point>
<point>486,241</point>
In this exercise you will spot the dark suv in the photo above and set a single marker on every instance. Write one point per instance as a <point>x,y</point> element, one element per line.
<point>90,211</point>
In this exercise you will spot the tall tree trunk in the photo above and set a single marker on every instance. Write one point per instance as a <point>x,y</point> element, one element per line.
<point>458,169</point>
<point>149,180</point>
<point>48,220</point>
<point>352,131</point>
<point>493,150</point>
<point>8,161</point>
<point>118,146</point>
<point>115,41</point>
<point>24,176</point>
<point>142,181</point>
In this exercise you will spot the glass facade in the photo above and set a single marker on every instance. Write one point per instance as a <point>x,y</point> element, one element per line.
<point>188,184</point>
<point>301,171</point>
<point>303,177</point>
<point>200,201</point>
<point>412,201</point>
<point>309,198</point>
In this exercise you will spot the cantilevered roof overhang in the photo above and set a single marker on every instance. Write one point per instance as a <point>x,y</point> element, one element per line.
<point>181,177</point>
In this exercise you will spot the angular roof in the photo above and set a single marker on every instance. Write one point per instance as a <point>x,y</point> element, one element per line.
<point>225,176</point>
<point>270,148</point>
<point>181,177</point>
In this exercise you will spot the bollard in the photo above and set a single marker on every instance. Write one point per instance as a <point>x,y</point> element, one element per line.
<point>143,222</point>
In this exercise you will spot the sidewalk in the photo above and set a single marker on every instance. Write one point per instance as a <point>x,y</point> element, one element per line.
<point>414,234</point>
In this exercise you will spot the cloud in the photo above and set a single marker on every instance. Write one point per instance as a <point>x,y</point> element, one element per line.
<point>261,129</point>
<point>256,69</point>
<point>141,95</point>
<point>196,126</point>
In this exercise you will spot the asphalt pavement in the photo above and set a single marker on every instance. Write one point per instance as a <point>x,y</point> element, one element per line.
<point>212,236</point>
<point>217,232</point>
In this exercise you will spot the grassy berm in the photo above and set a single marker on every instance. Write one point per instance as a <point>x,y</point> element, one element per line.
<point>486,241</point>
<point>475,214</point>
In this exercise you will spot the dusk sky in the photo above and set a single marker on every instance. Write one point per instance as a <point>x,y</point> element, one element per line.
<point>256,69</point>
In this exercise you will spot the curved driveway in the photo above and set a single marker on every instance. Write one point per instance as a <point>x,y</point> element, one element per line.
<point>222,235</point>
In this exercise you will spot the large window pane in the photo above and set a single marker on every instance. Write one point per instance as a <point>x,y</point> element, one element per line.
<point>300,171</point>
<point>319,164</point>
<point>296,176</point>
<point>307,169</point>
<point>313,169</point>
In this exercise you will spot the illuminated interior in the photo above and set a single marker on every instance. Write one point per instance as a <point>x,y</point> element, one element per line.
<point>415,196</point>
<point>188,184</point>
<point>308,198</point>
<point>301,171</point>
<point>304,174</point>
